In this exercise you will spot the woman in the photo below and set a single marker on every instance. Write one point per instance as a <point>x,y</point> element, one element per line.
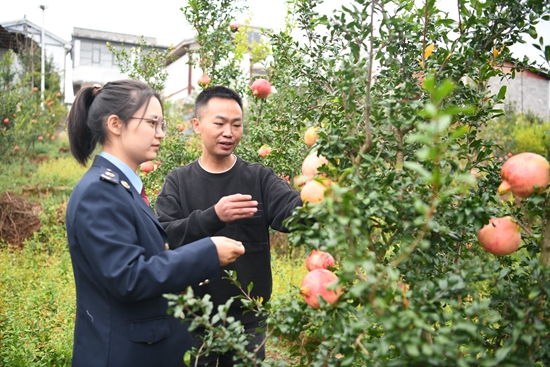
<point>118,248</point>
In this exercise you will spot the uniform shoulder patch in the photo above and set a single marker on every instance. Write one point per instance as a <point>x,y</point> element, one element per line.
<point>106,174</point>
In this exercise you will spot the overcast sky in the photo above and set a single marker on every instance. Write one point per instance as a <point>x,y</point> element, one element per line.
<point>163,19</point>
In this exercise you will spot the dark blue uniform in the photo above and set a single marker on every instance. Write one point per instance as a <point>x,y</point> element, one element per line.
<point>122,268</point>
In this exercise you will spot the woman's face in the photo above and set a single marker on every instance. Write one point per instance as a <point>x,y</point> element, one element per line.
<point>140,137</point>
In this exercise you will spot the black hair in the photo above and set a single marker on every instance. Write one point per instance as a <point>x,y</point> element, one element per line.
<point>93,106</point>
<point>216,91</point>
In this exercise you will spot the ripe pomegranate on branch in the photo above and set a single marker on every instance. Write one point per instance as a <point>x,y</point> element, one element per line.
<point>317,283</point>
<point>261,88</point>
<point>524,174</point>
<point>318,259</point>
<point>502,236</point>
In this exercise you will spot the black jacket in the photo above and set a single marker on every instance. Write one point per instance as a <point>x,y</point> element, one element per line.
<point>185,208</point>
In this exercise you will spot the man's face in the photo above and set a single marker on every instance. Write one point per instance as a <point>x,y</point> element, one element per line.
<point>220,124</point>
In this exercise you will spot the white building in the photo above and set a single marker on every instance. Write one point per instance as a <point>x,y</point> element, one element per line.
<point>93,62</point>
<point>55,47</point>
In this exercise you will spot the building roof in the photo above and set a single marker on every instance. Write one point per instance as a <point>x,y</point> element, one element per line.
<point>181,49</point>
<point>8,40</point>
<point>28,28</point>
<point>93,34</point>
<point>534,71</point>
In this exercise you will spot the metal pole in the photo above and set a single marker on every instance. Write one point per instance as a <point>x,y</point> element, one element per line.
<point>43,61</point>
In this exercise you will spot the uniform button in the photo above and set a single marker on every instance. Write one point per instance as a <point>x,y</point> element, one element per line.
<point>149,343</point>
<point>206,281</point>
<point>166,246</point>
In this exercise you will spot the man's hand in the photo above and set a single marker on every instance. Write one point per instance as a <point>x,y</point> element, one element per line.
<point>228,249</point>
<point>234,207</point>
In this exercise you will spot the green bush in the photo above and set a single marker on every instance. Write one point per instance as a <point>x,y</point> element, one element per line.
<point>37,298</point>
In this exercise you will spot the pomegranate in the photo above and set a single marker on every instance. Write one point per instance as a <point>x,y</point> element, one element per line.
<point>315,284</point>
<point>7,121</point>
<point>264,151</point>
<point>180,127</point>
<point>234,27</point>
<point>313,191</point>
<point>524,174</point>
<point>204,80</point>
<point>500,237</point>
<point>311,136</point>
<point>40,138</point>
<point>318,259</point>
<point>311,164</point>
<point>261,88</point>
<point>300,180</point>
<point>147,167</point>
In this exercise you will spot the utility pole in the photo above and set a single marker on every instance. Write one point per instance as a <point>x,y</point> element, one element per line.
<point>43,61</point>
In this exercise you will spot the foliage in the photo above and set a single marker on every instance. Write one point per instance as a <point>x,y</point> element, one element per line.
<point>143,62</point>
<point>37,299</point>
<point>27,120</point>
<point>517,133</point>
<point>402,215</point>
<point>221,52</point>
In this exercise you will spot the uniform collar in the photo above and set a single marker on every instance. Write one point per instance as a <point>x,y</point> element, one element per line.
<point>131,175</point>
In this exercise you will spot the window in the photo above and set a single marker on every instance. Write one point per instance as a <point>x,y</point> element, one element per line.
<point>96,54</point>
<point>254,36</point>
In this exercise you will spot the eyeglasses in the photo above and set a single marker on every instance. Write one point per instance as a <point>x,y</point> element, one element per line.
<point>155,122</point>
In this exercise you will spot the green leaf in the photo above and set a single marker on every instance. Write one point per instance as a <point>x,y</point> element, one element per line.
<point>412,350</point>
<point>502,92</point>
<point>443,90</point>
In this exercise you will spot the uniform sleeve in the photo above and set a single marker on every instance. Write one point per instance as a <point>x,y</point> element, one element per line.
<point>181,226</point>
<point>281,199</point>
<point>124,248</point>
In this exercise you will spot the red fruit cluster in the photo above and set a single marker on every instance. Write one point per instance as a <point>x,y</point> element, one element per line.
<point>522,175</point>
<point>320,282</point>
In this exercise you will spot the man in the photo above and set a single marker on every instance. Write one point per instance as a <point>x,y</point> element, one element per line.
<point>221,194</point>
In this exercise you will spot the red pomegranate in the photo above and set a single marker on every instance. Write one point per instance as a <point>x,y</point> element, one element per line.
<point>204,80</point>
<point>318,259</point>
<point>314,191</point>
<point>315,284</point>
<point>500,237</point>
<point>261,88</point>
<point>311,164</point>
<point>524,174</point>
<point>147,167</point>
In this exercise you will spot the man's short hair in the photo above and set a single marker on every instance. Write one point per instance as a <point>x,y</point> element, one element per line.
<point>216,91</point>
